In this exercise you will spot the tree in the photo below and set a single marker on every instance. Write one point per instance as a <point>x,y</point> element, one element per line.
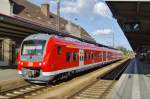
<point>124,50</point>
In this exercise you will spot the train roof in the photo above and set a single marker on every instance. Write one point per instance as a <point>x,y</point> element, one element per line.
<point>39,36</point>
<point>73,40</point>
<point>86,41</point>
<point>77,44</point>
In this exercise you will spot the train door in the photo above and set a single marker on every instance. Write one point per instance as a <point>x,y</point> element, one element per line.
<point>106,55</point>
<point>81,57</point>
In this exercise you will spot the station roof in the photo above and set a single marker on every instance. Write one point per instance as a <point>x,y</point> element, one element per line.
<point>134,19</point>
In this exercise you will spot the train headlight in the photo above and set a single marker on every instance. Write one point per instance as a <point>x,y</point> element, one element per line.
<point>21,63</point>
<point>43,63</point>
<point>40,64</point>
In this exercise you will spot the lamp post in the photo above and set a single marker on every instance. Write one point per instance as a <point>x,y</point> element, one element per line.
<point>112,34</point>
<point>113,39</point>
<point>58,15</point>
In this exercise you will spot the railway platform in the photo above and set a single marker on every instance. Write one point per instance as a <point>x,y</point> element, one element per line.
<point>8,72</point>
<point>10,79</point>
<point>134,83</point>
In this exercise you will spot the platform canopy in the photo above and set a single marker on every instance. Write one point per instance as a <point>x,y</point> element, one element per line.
<point>134,19</point>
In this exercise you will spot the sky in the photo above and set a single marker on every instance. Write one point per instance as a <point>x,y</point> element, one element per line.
<point>94,16</point>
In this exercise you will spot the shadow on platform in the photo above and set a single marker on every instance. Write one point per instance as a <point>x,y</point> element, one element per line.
<point>9,67</point>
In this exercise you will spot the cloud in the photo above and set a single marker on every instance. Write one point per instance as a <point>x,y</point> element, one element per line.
<point>102,32</point>
<point>69,10</point>
<point>86,8</point>
<point>81,7</point>
<point>102,9</point>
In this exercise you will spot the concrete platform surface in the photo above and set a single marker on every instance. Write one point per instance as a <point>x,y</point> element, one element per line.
<point>8,73</point>
<point>10,79</point>
<point>134,83</point>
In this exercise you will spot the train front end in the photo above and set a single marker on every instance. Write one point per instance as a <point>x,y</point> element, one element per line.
<point>31,58</point>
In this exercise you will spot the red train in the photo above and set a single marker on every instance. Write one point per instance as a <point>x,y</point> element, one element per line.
<point>43,57</point>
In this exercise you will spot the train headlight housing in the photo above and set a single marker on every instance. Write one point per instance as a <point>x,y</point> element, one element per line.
<point>21,63</point>
<point>44,63</point>
<point>40,64</point>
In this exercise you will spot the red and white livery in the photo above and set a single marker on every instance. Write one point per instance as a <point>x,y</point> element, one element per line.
<point>42,56</point>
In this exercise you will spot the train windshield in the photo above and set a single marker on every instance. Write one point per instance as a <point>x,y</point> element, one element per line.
<point>33,47</point>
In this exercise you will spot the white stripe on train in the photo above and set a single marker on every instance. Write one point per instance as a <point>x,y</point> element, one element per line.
<point>80,68</point>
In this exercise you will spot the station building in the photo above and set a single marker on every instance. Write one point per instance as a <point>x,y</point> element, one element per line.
<point>20,18</point>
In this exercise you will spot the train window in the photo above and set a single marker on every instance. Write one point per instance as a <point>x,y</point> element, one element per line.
<point>89,56</point>
<point>99,55</point>
<point>68,57</point>
<point>75,56</point>
<point>33,47</point>
<point>104,55</point>
<point>92,56</point>
<point>80,58</point>
<point>59,50</point>
<point>95,55</point>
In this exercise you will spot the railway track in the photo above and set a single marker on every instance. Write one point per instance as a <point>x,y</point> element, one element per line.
<point>23,92</point>
<point>100,88</point>
<point>93,91</point>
